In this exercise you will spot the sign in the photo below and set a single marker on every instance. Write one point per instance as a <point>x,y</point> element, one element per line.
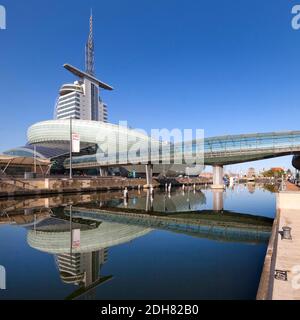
<point>75,142</point>
<point>76,238</point>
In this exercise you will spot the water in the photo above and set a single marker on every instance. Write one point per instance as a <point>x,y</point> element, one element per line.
<point>196,244</point>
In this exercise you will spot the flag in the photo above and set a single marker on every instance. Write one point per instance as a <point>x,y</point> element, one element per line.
<point>76,238</point>
<point>75,142</point>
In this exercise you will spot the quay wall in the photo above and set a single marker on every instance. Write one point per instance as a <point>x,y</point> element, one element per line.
<point>48,186</point>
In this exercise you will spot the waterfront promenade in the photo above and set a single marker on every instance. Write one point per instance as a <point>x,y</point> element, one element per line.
<point>279,280</point>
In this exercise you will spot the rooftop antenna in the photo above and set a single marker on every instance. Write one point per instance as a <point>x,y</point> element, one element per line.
<point>90,50</point>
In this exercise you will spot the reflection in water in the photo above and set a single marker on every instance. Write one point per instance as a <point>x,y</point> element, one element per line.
<point>160,201</point>
<point>81,264</point>
<point>83,270</point>
<point>251,187</point>
<point>106,220</point>
<point>178,200</point>
<point>218,197</point>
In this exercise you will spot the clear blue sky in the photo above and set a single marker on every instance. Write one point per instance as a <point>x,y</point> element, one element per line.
<point>225,66</point>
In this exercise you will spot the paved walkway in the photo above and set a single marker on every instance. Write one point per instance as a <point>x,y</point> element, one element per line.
<point>291,187</point>
<point>287,252</point>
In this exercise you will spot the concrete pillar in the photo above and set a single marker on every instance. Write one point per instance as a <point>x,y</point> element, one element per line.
<point>47,184</point>
<point>218,203</point>
<point>148,201</point>
<point>103,171</point>
<point>217,177</point>
<point>149,174</point>
<point>47,203</point>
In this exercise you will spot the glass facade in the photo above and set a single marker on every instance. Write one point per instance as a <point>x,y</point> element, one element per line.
<point>94,102</point>
<point>217,150</point>
<point>68,106</point>
<point>41,152</point>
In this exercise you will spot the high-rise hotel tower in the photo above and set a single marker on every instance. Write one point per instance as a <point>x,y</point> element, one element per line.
<point>81,99</point>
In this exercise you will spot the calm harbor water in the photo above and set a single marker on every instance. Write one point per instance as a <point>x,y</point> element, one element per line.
<point>192,244</point>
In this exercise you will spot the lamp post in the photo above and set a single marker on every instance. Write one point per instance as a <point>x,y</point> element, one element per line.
<point>34,157</point>
<point>71,148</point>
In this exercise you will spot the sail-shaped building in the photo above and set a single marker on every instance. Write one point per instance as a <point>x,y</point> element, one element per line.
<point>81,99</point>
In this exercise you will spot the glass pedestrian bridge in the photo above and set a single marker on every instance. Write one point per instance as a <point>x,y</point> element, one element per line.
<point>215,151</point>
<point>222,150</point>
<point>234,149</point>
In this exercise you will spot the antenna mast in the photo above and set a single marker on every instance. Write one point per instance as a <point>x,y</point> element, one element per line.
<point>90,50</point>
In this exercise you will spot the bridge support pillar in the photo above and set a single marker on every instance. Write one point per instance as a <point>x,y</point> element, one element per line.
<point>218,203</point>
<point>149,174</point>
<point>149,201</point>
<point>103,171</point>
<point>218,177</point>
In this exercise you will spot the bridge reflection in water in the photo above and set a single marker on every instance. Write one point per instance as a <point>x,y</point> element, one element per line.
<point>107,220</point>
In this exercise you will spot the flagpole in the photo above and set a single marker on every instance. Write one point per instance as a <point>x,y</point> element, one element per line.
<point>34,150</point>
<point>71,148</point>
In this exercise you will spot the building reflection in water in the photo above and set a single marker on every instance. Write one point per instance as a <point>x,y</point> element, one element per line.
<point>82,269</point>
<point>251,187</point>
<point>80,265</point>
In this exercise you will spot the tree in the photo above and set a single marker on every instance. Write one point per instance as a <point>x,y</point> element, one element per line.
<point>273,173</point>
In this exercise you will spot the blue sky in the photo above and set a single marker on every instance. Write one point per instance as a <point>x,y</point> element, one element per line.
<point>225,66</point>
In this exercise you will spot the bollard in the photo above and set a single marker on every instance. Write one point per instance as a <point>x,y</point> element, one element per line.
<point>126,196</point>
<point>286,233</point>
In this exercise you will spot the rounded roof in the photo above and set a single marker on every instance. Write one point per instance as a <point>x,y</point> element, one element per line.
<point>91,132</point>
<point>41,152</point>
<point>16,160</point>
